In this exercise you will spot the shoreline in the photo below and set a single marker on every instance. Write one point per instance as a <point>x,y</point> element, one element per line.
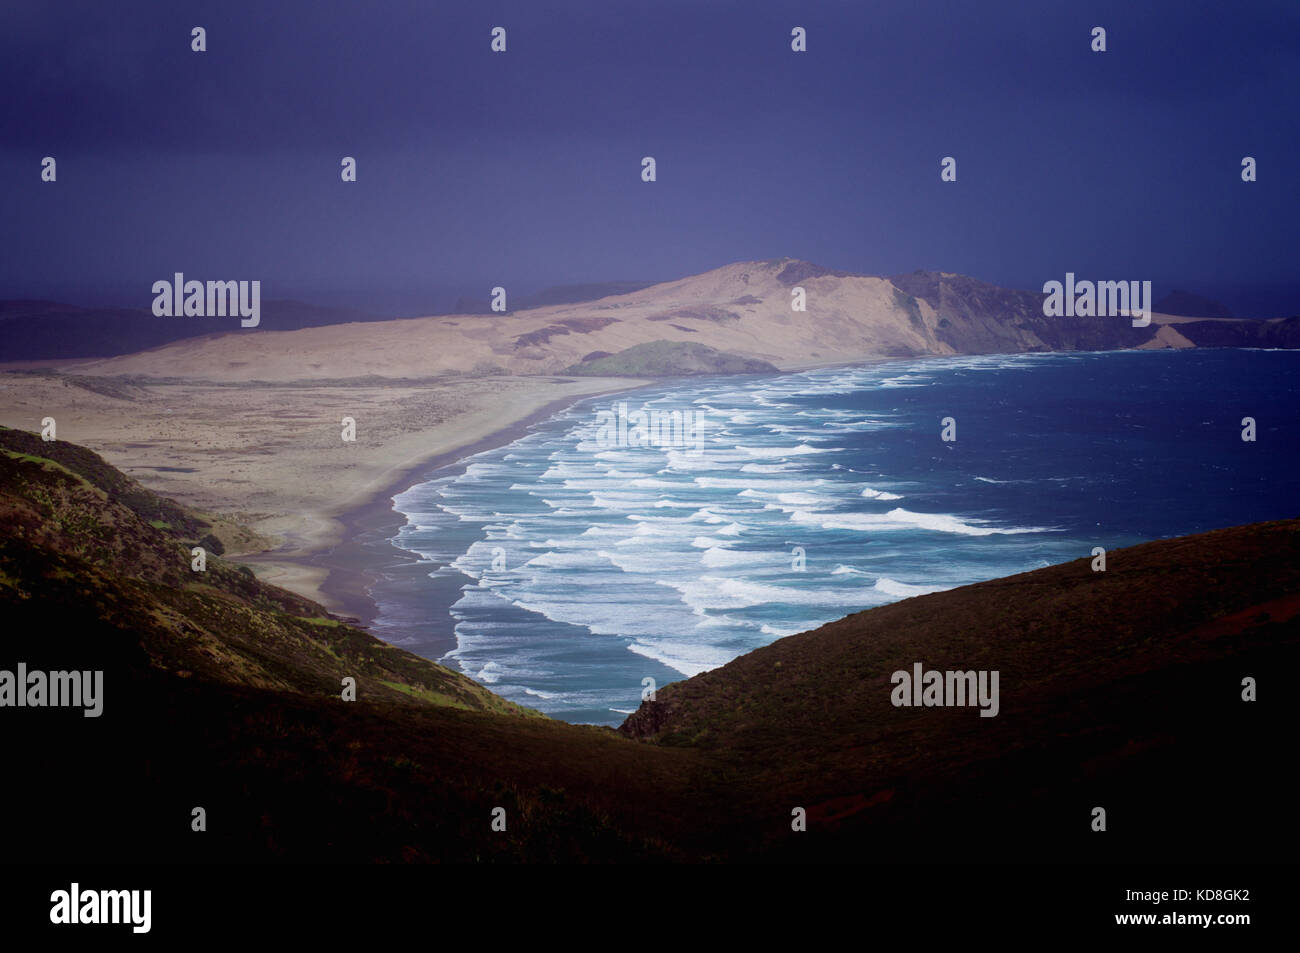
<point>367,527</point>
<point>352,561</point>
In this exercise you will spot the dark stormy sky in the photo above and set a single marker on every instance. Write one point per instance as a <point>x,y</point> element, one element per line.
<point>523,168</point>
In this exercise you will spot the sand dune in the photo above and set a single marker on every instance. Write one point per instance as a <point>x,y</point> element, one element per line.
<point>742,308</point>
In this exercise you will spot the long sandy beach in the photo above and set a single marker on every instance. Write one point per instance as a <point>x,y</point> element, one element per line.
<point>267,462</point>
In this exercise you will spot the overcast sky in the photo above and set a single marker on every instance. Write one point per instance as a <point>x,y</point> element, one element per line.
<point>524,168</point>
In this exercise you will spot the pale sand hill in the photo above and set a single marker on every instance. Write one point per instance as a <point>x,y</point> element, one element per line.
<point>742,309</point>
<point>848,319</point>
<point>271,457</point>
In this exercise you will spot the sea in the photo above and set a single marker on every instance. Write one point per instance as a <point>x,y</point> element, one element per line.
<point>576,568</point>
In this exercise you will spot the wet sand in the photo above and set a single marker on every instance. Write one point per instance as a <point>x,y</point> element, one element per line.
<point>365,552</point>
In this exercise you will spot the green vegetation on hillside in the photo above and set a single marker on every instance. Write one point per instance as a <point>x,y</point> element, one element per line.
<point>1120,688</point>
<point>65,512</point>
<point>669,359</point>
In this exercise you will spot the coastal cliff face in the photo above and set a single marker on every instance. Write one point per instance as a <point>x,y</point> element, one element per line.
<point>732,319</point>
<point>972,317</point>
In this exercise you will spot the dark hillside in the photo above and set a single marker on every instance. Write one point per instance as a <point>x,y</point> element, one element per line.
<point>1119,689</point>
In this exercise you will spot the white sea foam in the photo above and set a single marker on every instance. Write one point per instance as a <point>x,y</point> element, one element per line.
<point>751,483</point>
<point>582,559</point>
<point>902,590</point>
<point>682,556</point>
<point>901,519</point>
<point>871,494</point>
<point>689,659</point>
<point>725,592</point>
<point>773,452</point>
<point>717,556</point>
<point>709,542</point>
<point>790,499</point>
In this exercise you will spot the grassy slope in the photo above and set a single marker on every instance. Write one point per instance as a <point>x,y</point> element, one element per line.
<point>223,692</point>
<point>1116,689</point>
<point>1119,689</point>
<point>669,359</point>
<point>76,529</point>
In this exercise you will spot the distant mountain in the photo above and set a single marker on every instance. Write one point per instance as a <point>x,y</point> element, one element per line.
<point>1120,689</point>
<point>745,309</point>
<point>573,294</point>
<point>560,294</point>
<point>1186,304</point>
<point>44,330</point>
